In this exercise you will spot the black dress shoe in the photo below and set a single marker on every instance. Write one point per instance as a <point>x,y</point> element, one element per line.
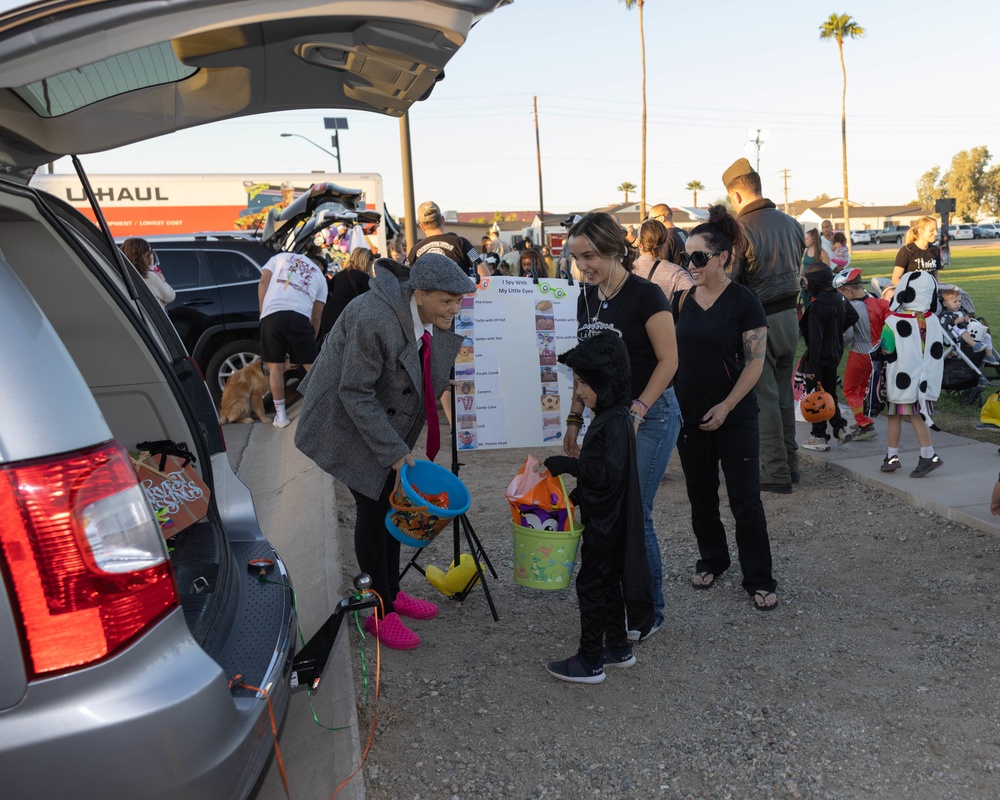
<point>777,488</point>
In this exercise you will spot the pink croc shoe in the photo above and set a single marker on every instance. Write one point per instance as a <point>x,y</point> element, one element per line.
<point>414,607</point>
<point>392,632</point>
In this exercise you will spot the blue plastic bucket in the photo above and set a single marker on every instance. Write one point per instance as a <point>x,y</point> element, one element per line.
<point>411,518</point>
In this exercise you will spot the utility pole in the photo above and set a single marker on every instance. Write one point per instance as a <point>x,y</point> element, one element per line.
<point>541,201</point>
<point>784,175</point>
<point>409,209</point>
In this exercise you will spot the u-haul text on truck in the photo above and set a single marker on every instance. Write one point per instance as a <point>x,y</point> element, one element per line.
<point>143,205</point>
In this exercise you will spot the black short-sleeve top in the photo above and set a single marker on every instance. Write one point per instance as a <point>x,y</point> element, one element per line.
<point>710,351</point>
<point>627,313</point>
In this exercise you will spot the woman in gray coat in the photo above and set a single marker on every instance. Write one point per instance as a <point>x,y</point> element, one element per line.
<point>364,408</point>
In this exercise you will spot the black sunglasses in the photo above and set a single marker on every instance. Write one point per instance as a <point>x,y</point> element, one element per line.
<point>698,259</point>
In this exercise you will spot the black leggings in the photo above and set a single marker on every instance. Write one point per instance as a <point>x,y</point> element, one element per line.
<point>599,591</point>
<point>376,549</point>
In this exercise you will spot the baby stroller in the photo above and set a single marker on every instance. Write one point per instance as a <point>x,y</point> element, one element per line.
<point>963,373</point>
<point>964,366</point>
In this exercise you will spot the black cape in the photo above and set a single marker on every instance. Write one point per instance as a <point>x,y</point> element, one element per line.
<point>608,492</point>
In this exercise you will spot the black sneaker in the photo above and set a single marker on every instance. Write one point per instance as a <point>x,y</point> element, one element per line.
<point>575,670</point>
<point>890,464</point>
<point>618,658</point>
<point>777,488</point>
<point>926,465</point>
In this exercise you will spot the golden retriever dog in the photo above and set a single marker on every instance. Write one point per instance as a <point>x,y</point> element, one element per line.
<point>245,392</point>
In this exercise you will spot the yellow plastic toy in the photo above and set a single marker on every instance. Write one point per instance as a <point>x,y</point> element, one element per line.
<point>457,579</point>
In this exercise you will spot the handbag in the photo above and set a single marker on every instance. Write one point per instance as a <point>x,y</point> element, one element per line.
<point>875,395</point>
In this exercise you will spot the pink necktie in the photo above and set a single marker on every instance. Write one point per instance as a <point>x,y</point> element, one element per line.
<point>430,401</point>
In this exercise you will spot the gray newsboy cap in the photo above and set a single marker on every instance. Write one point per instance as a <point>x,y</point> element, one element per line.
<point>434,272</point>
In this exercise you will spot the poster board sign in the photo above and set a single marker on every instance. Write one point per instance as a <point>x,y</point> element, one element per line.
<point>510,389</point>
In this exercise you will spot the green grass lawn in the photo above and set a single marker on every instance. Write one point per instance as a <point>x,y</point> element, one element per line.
<point>977,271</point>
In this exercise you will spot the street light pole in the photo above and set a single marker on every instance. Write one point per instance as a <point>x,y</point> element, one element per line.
<point>300,136</point>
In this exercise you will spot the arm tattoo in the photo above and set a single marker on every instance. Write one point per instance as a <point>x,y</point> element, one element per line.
<point>754,343</point>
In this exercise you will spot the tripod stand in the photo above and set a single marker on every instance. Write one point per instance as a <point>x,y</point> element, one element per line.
<point>461,525</point>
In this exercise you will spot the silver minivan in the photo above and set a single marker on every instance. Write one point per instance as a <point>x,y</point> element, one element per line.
<point>125,664</point>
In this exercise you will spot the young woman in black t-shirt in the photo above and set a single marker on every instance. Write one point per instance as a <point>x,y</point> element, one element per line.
<point>918,253</point>
<point>721,338</point>
<point>615,299</point>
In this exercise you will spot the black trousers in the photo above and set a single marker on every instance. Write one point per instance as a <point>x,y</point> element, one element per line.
<point>599,590</point>
<point>376,549</point>
<point>828,377</point>
<point>736,446</point>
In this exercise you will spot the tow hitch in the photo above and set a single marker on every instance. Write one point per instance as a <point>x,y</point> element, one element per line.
<point>310,662</point>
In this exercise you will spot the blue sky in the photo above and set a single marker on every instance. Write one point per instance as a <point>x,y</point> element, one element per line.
<point>921,87</point>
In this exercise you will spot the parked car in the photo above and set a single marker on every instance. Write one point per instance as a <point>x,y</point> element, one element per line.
<point>891,233</point>
<point>989,230</point>
<point>215,275</point>
<point>125,666</point>
<point>216,310</point>
<point>861,237</point>
<point>960,232</point>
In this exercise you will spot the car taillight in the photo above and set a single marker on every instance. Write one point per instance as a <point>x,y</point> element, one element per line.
<point>85,557</point>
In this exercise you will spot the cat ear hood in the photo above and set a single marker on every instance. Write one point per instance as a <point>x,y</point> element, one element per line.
<point>601,361</point>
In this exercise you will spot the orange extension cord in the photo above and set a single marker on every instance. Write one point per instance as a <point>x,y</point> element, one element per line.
<point>274,725</point>
<point>371,733</point>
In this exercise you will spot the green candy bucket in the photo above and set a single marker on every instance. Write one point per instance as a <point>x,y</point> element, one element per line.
<point>544,559</point>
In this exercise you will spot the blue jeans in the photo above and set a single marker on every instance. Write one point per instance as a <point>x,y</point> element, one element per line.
<point>654,444</point>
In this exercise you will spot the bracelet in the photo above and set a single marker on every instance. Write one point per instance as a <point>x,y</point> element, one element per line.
<point>635,416</point>
<point>574,419</point>
<point>642,405</point>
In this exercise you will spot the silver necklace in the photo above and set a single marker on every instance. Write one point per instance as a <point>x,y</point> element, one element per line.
<point>610,296</point>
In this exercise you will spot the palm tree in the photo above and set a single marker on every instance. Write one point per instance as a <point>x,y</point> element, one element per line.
<point>694,186</point>
<point>626,187</point>
<point>839,27</point>
<point>642,51</point>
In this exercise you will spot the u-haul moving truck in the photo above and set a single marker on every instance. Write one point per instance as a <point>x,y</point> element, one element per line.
<point>141,205</point>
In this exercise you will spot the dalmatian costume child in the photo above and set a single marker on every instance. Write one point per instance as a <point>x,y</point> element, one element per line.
<point>913,343</point>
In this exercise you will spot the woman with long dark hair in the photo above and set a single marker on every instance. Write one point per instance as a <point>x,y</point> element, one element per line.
<point>722,337</point>
<point>618,300</point>
<point>352,281</point>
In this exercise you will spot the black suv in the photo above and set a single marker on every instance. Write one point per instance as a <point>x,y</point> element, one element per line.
<point>216,310</point>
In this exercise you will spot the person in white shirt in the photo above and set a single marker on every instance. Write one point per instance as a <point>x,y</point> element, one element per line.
<point>292,292</point>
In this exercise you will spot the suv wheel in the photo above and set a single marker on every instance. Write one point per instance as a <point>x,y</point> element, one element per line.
<point>877,240</point>
<point>899,240</point>
<point>229,359</point>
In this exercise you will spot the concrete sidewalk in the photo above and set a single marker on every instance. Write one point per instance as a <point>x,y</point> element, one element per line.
<point>959,490</point>
<point>295,504</point>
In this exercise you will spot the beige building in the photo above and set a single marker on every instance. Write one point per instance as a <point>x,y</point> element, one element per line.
<point>863,218</point>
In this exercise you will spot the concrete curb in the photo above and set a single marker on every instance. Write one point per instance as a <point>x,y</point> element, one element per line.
<point>959,491</point>
<point>296,508</point>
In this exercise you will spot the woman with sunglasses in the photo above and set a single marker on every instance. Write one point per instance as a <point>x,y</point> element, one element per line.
<point>721,336</point>
<point>615,299</point>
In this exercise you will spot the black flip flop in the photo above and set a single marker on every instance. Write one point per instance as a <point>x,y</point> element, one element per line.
<point>705,585</point>
<point>762,594</point>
